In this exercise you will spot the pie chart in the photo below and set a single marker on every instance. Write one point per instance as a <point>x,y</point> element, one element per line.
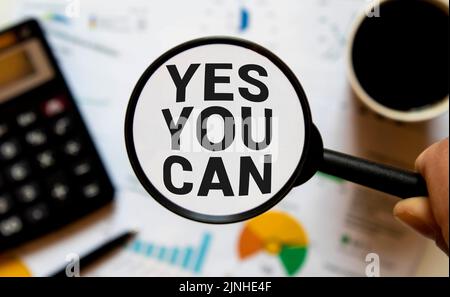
<point>278,234</point>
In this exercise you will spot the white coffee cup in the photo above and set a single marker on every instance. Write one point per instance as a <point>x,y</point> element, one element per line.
<point>415,115</point>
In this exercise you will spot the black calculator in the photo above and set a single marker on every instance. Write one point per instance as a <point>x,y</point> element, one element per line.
<point>50,171</point>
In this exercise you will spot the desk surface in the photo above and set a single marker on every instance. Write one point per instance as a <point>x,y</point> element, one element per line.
<point>434,262</point>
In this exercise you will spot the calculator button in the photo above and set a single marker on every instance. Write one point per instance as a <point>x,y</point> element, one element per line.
<point>72,148</point>
<point>59,191</point>
<point>62,126</point>
<point>37,213</point>
<point>11,226</point>
<point>36,137</point>
<point>28,193</point>
<point>5,204</point>
<point>91,190</point>
<point>18,172</point>
<point>3,130</point>
<point>82,168</point>
<point>26,119</point>
<point>9,150</point>
<point>45,159</point>
<point>54,107</point>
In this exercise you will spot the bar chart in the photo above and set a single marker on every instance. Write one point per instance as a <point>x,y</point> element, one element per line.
<point>189,258</point>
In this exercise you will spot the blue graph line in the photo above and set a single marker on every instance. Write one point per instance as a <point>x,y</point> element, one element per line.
<point>245,20</point>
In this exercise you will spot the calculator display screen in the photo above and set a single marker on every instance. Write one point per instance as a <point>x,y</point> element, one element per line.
<point>24,66</point>
<point>14,67</point>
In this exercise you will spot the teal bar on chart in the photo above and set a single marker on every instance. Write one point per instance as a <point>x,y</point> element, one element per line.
<point>149,250</point>
<point>187,257</point>
<point>162,253</point>
<point>136,246</point>
<point>174,256</point>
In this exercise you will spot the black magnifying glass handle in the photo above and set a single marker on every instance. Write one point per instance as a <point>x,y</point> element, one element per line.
<point>391,180</point>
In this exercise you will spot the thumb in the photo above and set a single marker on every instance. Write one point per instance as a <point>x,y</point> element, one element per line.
<point>417,214</point>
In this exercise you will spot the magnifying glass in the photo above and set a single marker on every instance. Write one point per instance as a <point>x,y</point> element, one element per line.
<point>219,130</point>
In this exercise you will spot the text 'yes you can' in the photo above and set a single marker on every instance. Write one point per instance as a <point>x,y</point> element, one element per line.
<point>215,174</point>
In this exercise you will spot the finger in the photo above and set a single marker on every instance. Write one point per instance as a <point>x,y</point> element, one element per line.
<point>433,165</point>
<point>417,214</point>
<point>424,158</point>
<point>419,165</point>
<point>432,154</point>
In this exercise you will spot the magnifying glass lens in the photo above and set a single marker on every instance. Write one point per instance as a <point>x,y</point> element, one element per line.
<point>216,130</point>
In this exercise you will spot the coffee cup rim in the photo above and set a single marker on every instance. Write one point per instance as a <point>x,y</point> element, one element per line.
<point>414,115</point>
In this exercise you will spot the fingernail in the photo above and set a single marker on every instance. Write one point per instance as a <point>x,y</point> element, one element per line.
<point>416,223</point>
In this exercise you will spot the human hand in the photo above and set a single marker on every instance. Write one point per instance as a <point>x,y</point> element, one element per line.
<point>429,216</point>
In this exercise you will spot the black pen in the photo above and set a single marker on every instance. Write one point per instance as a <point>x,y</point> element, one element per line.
<point>98,252</point>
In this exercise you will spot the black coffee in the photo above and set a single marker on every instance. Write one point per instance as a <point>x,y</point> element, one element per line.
<point>401,58</point>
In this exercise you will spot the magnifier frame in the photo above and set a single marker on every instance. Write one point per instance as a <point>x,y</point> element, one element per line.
<point>167,203</point>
